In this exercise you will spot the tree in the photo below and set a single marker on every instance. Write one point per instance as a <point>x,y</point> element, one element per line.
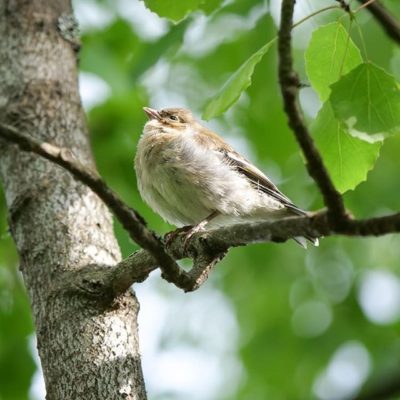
<point>84,312</point>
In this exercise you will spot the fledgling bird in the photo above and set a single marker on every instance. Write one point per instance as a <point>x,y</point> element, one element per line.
<point>192,178</point>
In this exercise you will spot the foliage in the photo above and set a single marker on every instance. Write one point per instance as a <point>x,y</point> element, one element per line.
<point>178,10</point>
<point>369,98</point>
<point>330,54</point>
<point>237,83</point>
<point>295,309</point>
<point>347,157</point>
<point>16,363</point>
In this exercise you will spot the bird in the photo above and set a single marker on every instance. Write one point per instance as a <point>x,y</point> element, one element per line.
<point>196,181</point>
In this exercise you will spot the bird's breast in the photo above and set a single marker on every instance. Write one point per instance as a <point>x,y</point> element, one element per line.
<point>185,182</point>
<point>168,181</point>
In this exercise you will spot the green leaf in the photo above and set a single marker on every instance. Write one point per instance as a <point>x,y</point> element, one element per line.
<point>173,9</point>
<point>111,53</point>
<point>209,6</point>
<point>395,63</point>
<point>235,85</point>
<point>149,53</point>
<point>330,54</point>
<point>367,99</point>
<point>118,56</point>
<point>347,158</point>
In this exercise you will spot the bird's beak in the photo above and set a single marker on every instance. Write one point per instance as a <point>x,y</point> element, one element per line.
<point>151,113</point>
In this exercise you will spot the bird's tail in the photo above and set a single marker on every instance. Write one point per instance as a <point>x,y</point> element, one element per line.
<point>302,241</point>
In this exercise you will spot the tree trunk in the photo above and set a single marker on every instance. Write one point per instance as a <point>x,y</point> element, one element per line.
<point>88,347</point>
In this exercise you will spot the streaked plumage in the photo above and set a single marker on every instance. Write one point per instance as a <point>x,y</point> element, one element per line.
<point>190,176</point>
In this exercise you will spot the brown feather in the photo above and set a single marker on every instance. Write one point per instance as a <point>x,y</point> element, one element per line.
<point>206,137</point>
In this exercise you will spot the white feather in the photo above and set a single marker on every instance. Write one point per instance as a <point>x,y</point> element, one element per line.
<point>185,182</point>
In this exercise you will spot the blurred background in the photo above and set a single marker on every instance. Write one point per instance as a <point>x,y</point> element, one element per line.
<point>273,321</point>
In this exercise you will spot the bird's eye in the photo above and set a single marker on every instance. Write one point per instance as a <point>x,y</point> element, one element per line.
<point>173,117</point>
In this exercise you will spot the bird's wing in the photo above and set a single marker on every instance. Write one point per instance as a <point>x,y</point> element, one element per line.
<point>258,179</point>
<point>209,139</point>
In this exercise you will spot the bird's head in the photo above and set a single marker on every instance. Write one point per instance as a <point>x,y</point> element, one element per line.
<point>168,119</point>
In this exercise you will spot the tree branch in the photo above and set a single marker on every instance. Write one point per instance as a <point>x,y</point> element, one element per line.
<point>387,388</point>
<point>133,223</point>
<point>389,23</point>
<point>205,249</point>
<point>289,83</point>
<point>208,248</point>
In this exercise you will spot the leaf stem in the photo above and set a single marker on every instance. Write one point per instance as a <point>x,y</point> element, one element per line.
<point>320,11</point>
<point>366,4</point>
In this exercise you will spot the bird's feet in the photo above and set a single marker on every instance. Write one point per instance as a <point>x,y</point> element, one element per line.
<point>186,231</point>
<point>170,236</point>
<point>194,229</point>
<point>189,231</point>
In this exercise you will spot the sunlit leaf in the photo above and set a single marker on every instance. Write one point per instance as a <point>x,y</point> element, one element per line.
<point>330,54</point>
<point>172,9</point>
<point>368,99</point>
<point>235,85</point>
<point>209,6</point>
<point>347,158</point>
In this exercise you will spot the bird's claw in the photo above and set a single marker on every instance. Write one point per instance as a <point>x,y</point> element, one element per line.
<point>170,236</point>
<point>189,234</point>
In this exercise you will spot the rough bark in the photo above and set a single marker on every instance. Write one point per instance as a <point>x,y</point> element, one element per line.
<point>88,346</point>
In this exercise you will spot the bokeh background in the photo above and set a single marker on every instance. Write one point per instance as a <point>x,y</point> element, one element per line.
<point>273,321</point>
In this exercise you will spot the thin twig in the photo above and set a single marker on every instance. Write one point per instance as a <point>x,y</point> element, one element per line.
<point>344,5</point>
<point>132,222</point>
<point>366,3</point>
<point>314,14</point>
<point>388,22</point>
<point>289,83</point>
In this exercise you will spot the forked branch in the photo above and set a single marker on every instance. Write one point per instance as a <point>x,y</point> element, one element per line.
<point>290,84</point>
<point>205,249</point>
